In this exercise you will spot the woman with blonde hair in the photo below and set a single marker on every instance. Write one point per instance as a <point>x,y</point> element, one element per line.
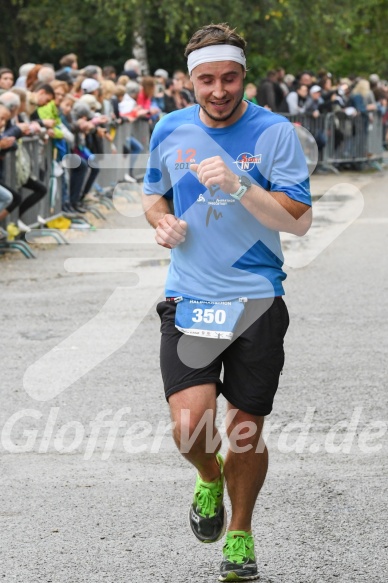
<point>108,89</point>
<point>363,100</point>
<point>362,88</point>
<point>123,80</point>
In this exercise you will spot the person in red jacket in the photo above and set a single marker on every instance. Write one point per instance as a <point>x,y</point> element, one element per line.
<point>145,97</point>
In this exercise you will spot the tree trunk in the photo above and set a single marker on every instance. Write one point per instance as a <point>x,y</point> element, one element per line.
<point>140,51</point>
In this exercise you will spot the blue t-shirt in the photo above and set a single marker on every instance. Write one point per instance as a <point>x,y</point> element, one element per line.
<point>227,253</point>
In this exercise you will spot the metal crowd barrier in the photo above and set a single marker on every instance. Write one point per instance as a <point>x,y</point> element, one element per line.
<point>112,172</point>
<point>319,130</point>
<point>348,140</point>
<point>41,156</point>
<point>344,139</point>
<point>113,167</point>
<point>140,130</point>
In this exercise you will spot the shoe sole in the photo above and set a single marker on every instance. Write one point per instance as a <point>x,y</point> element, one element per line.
<point>219,536</point>
<point>233,577</point>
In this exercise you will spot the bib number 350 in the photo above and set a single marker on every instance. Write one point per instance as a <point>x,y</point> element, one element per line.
<point>209,315</point>
<point>208,319</point>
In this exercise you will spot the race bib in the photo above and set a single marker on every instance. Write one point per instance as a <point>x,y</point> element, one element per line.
<point>208,319</point>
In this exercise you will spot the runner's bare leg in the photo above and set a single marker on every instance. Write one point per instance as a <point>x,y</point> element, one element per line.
<point>188,408</point>
<point>244,471</point>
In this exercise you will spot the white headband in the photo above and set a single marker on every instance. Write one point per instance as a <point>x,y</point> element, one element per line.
<point>214,53</point>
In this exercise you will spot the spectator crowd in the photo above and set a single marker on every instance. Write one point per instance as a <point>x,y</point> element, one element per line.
<point>308,98</point>
<point>316,95</point>
<point>78,109</point>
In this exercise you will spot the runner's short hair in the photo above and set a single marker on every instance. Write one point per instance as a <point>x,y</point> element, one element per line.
<point>214,34</point>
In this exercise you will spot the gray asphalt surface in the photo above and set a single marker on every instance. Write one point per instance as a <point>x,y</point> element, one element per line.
<point>72,511</point>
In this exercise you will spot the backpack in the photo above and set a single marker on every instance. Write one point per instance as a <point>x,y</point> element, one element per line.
<point>23,165</point>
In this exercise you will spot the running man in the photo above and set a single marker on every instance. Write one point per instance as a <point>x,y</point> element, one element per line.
<point>236,175</point>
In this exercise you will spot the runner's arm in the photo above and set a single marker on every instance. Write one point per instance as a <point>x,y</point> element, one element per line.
<point>278,211</point>
<point>274,209</point>
<point>170,231</point>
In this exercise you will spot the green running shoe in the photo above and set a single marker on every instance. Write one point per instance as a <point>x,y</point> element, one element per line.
<point>239,562</point>
<point>207,514</point>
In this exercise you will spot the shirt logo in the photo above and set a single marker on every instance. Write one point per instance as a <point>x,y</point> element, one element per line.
<point>246,162</point>
<point>215,201</point>
<point>184,159</point>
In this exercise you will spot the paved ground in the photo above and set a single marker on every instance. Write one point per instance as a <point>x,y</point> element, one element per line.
<point>79,505</point>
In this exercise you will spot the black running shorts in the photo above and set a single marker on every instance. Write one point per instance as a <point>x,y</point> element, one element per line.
<point>252,362</point>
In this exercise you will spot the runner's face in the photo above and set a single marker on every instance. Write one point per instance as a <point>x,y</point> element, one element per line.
<point>219,90</point>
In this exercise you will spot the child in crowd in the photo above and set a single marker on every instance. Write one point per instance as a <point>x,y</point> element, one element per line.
<point>129,110</point>
<point>69,130</point>
<point>250,93</point>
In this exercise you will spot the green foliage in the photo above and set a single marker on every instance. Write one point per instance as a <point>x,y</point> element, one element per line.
<point>43,31</point>
<point>343,37</point>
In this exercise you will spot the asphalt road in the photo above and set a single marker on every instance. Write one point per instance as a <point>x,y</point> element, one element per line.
<point>92,489</point>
